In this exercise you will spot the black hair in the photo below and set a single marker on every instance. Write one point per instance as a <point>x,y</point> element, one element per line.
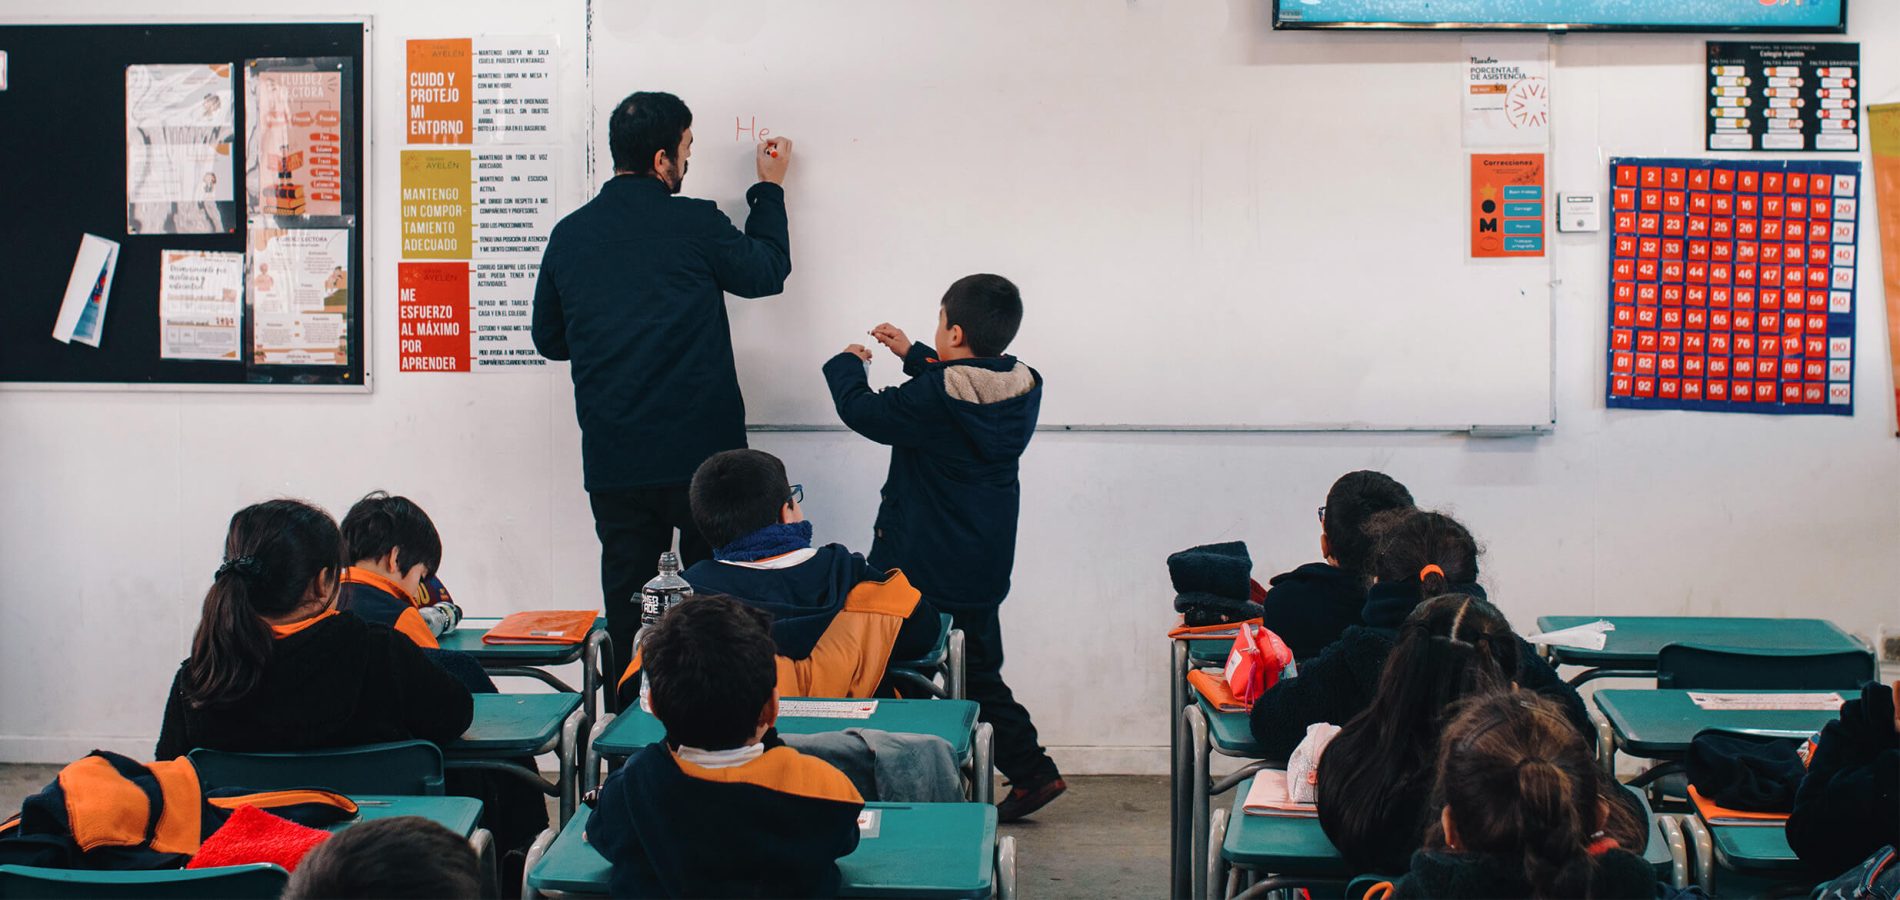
<point>1381,764</point>
<point>646,123</point>
<point>1355,498</point>
<point>1524,788</point>
<point>276,553</point>
<point>737,492</point>
<point>713,668</point>
<point>401,857</point>
<point>988,308</point>
<point>379,523</point>
<point>1407,541</point>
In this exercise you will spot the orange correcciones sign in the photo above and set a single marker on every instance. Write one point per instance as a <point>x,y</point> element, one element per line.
<point>439,94</point>
<point>1507,205</point>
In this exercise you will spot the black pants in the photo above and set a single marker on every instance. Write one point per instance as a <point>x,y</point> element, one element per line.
<point>636,526</point>
<point>1019,756</point>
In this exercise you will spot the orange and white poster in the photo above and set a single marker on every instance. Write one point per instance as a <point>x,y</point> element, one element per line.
<point>440,92</point>
<point>1507,205</point>
<point>296,141</point>
<point>432,317</point>
<point>1883,134</point>
<point>483,90</point>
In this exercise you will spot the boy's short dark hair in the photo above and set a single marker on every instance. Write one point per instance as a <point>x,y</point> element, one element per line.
<point>713,667</point>
<point>646,123</point>
<point>379,523</point>
<point>402,857</point>
<point>1355,498</point>
<point>737,492</point>
<point>988,307</point>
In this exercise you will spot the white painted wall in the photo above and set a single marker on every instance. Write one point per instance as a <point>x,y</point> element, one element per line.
<point>112,506</point>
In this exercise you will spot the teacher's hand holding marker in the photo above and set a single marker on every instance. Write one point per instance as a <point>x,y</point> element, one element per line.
<point>774,156</point>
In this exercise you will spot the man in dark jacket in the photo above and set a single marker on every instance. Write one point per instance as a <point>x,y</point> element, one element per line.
<point>632,291</point>
<point>948,518</point>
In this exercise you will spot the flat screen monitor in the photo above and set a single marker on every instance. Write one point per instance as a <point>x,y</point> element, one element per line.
<point>1784,16</point>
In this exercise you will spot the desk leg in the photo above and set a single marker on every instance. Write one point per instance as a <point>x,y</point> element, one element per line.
<point>1704,851</point>
<point>1678,850</point>
<point>590,779</point>
<point>573,732</point>
<point>1198,801</point>
<point>953,681</point>
<point>1216,837</point>
<point>483,843</point>
<point>1177,700</point>
<point>983,764</point>
<point>536,850</point>
<point>1005,868</point>
<point>1606,741</point>
<point>595,658</point>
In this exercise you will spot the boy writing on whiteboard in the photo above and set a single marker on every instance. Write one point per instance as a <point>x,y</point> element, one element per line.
<point>948,519</point>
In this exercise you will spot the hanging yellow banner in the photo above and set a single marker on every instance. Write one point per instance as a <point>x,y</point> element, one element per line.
<point>1883,132</point>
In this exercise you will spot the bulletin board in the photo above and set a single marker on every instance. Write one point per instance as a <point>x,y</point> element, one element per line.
<point>63,174</point>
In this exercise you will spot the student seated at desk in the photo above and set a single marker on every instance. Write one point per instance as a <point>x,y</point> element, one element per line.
<point>397,552</point>
<point>274,668</point>
<point>1525,814</point>
<point>402,858</point>
<point>1419,555</point>
<point>1312,605</point>
<point>1848,805</point>
<point>837,622</point>
<point>721,808</point>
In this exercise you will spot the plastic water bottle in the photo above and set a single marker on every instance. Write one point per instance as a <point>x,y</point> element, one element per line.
<point>664,592</point>
<point>441,617</point>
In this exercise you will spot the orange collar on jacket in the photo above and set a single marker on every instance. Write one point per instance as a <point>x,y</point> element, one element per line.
<point>284,631</point>
<point>379,581</point>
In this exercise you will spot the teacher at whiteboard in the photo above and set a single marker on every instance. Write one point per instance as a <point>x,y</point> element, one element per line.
<point>632,291</point>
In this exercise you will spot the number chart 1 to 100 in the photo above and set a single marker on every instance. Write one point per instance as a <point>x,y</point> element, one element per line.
<point>1732,285</point>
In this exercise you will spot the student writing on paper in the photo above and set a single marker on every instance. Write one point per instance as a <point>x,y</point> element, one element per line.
<point>1849,804</point>
<point>1418,555</point>
<point>1311,606</point>
<point>956,431</point>
<point>397,552</point>
<point>1524,814</point>
<point>837,621</point>
<point>721,807</point>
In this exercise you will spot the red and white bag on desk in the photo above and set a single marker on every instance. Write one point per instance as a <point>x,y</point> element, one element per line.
<point>1257,662</point>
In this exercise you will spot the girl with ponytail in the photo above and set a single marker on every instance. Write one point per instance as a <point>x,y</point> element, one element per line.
<point>1526,812</point>
<point>274,668</point>
<point>1418,555</point>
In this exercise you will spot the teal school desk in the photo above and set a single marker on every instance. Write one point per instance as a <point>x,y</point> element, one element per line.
<point>595,654</point>
<point>1630,650</point>
<point>1659,724</point>
<point>508,727</point>
<point>1204,730</point>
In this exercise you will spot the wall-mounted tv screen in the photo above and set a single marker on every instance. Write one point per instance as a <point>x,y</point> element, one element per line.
<point>1791,16</point>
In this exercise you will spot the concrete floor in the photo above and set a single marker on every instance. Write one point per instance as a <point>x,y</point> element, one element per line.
<point>1107,838</point>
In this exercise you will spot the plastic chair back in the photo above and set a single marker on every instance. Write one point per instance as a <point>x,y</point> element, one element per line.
<point>402,768</point>
<point>1698,667</point>
<point>260,881</point>
<point>1359,887</point>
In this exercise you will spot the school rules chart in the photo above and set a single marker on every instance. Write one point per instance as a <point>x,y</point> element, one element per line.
<point>1732,285</point>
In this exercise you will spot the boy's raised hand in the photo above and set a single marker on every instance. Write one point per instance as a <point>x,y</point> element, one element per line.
<point>892,337</point>
<point>860,351</point>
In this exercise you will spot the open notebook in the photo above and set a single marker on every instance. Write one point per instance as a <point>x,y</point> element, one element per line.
<point>1268,797</point>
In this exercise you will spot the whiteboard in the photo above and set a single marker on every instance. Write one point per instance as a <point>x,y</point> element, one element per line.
<point>1213,225</point>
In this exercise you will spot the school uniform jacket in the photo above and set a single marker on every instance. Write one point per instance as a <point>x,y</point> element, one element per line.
<point>950,502</point>
<point>1848,806</point>
<point>330,681</point>
<point>1446,875</point>
<point>1340,682</point>
<point>379,601</point>
<point>837,622</point>
<point>772,827</point>
<point>1312,606</point>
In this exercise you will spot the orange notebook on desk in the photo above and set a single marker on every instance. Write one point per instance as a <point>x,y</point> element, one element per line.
<point>1722,815</point>
<point>547,626</point>
<point>1214,688</point>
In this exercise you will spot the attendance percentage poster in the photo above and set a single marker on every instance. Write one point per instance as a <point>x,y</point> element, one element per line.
<point>1732,285</point>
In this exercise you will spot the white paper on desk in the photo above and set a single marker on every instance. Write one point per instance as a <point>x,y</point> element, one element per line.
<point>826,709</point>
<point>1810,702</point>
<point>1268,797</point>
<point>82,313</point>
<point>1590,636</point>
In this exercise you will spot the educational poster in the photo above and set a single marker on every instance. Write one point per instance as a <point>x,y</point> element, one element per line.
<point>1782,96</point>
<point>1507,92</point>
<point>437,222</point>
<point>297,137</point>
<point>200,305</point>
<point>1732,285</point>
<point>180,173</point>
<point>300,295</point>
<point>485,90</point>
<point>514,196</point>
<point>1883,138</point>
<point>432,317</point>
<point>503,310</point>
<point>1507,205</point>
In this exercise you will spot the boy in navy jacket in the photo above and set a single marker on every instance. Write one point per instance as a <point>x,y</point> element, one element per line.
<point>956,430</point>
<point>721,808</point>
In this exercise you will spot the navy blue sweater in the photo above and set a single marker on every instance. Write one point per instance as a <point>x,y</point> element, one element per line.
<point>803,599</point>
<point>1849,803</point>
<point>950,501</point>
<point>1312,606</point>
<point>1340,682</point>
<point>632,290</point>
